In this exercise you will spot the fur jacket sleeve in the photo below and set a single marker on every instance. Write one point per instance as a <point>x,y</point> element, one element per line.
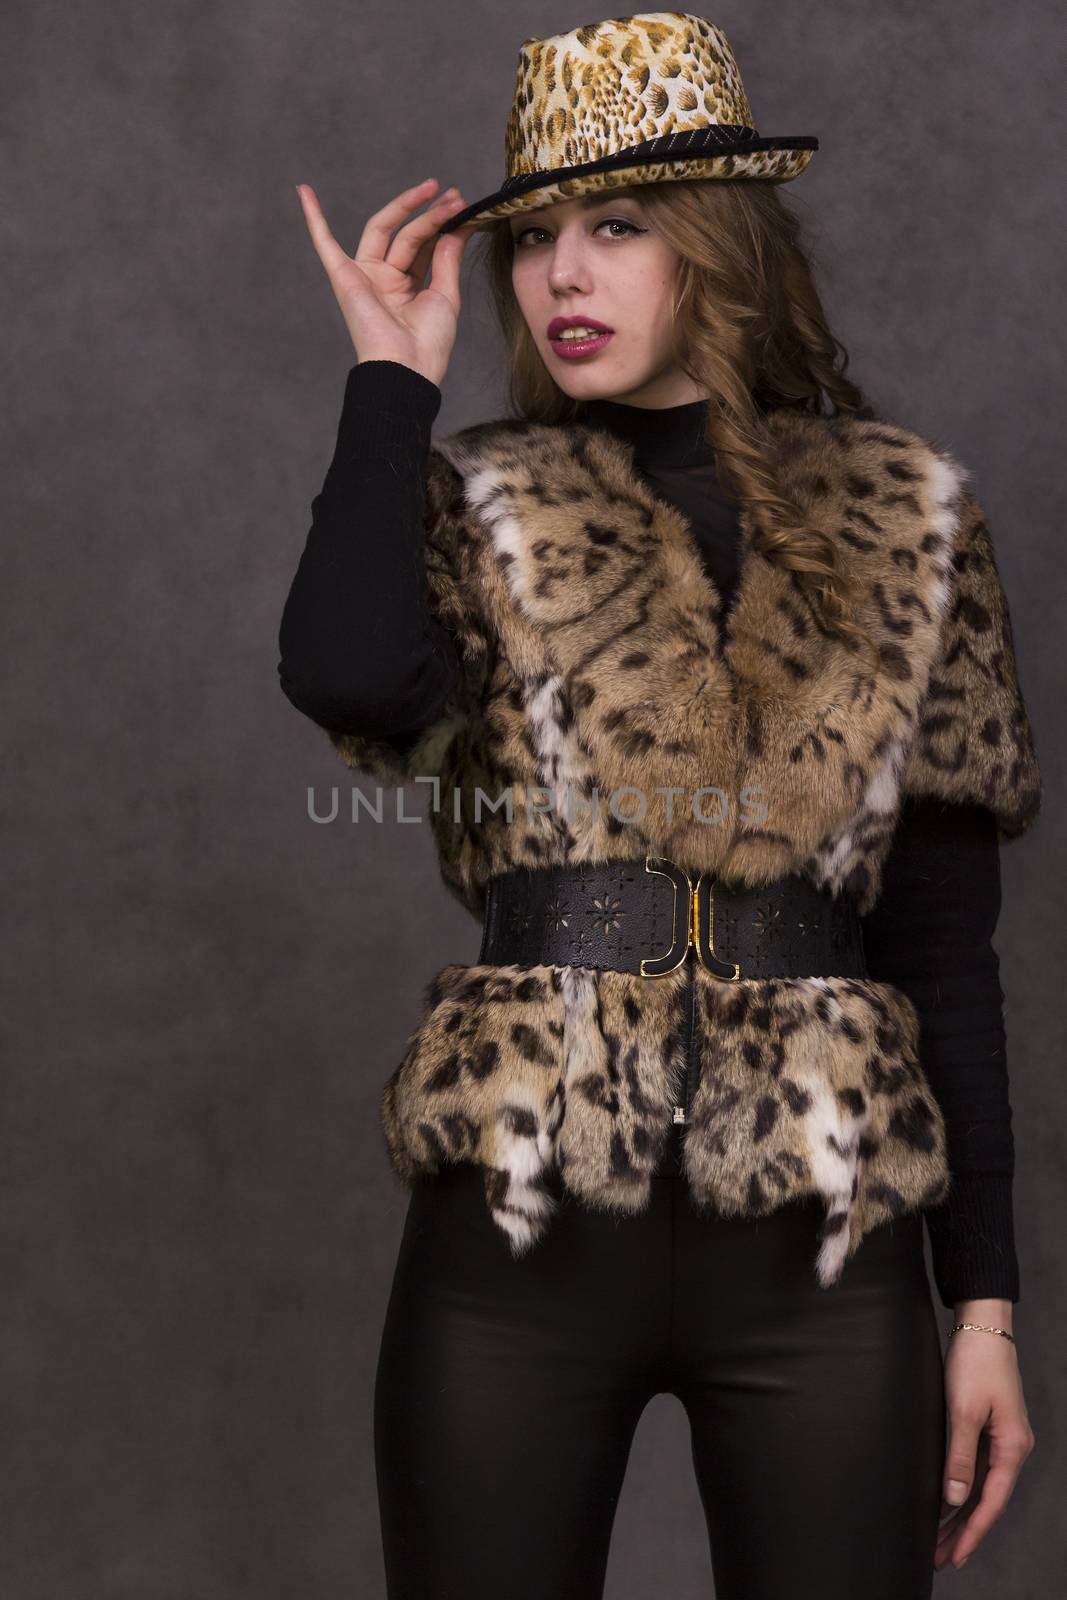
<point>974,741</point>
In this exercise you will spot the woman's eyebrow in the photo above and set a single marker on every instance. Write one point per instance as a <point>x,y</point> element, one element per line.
<point>604,197</point>
<point>587,202</point>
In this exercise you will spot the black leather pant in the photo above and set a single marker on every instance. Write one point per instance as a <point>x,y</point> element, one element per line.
<point>508,1392</point>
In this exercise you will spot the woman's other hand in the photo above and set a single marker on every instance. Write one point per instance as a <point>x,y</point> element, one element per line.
<point>388,313</point>
<point>990,1433</point>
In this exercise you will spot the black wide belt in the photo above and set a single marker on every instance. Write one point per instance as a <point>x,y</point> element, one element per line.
<point>644,916</point>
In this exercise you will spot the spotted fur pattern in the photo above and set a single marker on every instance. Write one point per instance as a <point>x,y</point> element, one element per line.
<point>593,657</point>
<point>813,1084</point>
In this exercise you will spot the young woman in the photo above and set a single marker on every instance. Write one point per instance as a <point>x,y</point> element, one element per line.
<point>668,565</point>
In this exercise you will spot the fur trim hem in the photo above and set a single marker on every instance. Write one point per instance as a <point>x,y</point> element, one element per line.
<point>806,1086</point>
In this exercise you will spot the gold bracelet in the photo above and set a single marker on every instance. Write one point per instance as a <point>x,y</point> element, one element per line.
<point>981,1328</point>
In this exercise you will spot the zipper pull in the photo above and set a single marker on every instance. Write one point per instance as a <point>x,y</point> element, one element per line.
<point>679,1113</point>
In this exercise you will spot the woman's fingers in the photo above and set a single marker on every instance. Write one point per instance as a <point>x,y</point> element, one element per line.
<point>423,230</point>
<point>961,1458</point>
<point>329,251</point>
<point>444,266</point>
<point>996,1492</point>
<point>420,263</point>
<point>386,310</point>
<point>411,249</point>
<point>964,1534</point>
<point>1002,1453</point>
<point>413,245</point>
<point>380,226</point>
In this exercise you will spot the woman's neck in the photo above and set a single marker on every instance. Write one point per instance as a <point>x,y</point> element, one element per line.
<point>662,436</point>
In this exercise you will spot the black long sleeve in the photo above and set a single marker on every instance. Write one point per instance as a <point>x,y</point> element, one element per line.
<point>362,653</point>
<point>931,936</point>
<point>360,649</point>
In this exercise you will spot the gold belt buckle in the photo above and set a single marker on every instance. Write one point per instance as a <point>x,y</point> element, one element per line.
<point>658,966</point>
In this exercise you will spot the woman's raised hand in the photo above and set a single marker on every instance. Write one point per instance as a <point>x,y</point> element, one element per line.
<point>389,314</point>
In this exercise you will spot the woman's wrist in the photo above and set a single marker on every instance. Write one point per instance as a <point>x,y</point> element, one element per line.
<point>994,1313</point>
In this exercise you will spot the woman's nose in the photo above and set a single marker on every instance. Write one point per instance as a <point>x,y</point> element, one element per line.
<point>566,271</point>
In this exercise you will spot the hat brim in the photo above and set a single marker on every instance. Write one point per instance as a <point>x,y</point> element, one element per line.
<point>774,160</point>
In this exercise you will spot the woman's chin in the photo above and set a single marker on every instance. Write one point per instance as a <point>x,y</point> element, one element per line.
<point>595,380</point>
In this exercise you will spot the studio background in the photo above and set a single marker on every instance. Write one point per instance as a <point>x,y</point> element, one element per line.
<point>199,1224</point>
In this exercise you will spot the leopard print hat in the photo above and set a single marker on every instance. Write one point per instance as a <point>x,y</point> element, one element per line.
<point>629,100</point>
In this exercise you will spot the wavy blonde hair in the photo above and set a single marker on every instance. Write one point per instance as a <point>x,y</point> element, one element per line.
<point>751,330</point>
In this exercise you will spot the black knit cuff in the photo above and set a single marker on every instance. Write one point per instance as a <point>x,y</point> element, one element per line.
<point>388,409</point>
<point>972,1239</point>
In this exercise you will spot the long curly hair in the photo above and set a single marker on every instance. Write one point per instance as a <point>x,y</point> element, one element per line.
<point>750,329</point>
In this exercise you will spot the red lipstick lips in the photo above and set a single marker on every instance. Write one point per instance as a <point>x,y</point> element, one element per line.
<point>576,345</point>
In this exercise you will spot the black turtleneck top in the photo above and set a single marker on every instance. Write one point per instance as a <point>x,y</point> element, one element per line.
<point>362,653</point>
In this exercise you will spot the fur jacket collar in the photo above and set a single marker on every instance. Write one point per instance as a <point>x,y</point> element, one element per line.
<point>596,662</point>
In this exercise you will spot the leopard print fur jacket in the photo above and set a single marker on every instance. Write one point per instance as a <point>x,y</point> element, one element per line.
<point>592,658</point>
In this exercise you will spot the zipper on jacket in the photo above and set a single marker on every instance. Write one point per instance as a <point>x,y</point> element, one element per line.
<point>681,1113</point>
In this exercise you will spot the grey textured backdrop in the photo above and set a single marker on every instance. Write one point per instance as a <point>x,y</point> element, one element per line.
<point>199,1224</point>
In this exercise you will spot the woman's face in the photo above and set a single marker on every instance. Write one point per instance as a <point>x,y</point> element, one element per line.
<point>598,256</point>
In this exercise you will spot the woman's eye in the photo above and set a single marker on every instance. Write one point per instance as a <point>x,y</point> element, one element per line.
<point>617,222</point>
<point>609,222</point>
